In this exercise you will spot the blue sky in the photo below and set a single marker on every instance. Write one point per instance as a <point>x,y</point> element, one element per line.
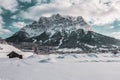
<point>102,15</point>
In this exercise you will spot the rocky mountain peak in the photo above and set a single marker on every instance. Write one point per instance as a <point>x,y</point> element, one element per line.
<point>63,32</point>
<point>55,22</point>
<point>56,16</point>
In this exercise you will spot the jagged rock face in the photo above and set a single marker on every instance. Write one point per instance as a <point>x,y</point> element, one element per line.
<point>54,23</point>
<point>62,32</point>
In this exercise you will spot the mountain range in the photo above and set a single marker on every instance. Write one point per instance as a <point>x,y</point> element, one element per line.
<point>63,32</point>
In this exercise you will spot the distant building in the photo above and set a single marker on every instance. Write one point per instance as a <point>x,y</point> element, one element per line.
<point>15,55</point>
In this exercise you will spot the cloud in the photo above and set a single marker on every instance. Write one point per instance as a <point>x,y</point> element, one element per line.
<point>3,31</point>
<point>18,25</point>
<point>1,11</point>
<point>1,22</point>
<point>28,1</point>
<point>10,5</point>
<point>35,12</point>
<point>116,35</point>
<point>111,27</point>
<point>98,11</point>
<point>14,17</point>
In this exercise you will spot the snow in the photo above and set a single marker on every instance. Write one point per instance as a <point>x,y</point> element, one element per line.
<point>61,41</point>
<point>69,49</point>
<point>5,49</point>
<point>115,46</point>
<point>103,49</point>
<point>33,32</point>
<point>90,46</point>
<point>62,67</point>
<point>34,40</point>
<point>92,66</point>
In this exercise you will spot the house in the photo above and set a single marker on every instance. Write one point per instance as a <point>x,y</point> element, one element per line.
<point>15,55</point>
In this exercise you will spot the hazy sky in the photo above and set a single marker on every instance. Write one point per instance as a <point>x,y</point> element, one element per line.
<point>102,15</point>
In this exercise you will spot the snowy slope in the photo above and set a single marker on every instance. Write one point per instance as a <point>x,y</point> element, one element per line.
<point>6,49</point>
<point>62,67</point>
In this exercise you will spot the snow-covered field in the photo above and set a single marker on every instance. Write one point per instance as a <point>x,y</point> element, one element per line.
<point>62,67</point>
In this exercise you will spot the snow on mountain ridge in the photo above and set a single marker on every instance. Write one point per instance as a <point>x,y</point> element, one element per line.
<point>55,23</point>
